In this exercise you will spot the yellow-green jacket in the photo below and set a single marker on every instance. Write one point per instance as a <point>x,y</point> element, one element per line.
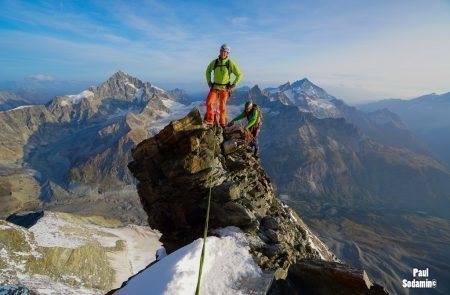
<point>221,74</point>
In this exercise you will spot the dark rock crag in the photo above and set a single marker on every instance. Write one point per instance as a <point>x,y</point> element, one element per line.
<point>324,277</point>
<point>175,170</point>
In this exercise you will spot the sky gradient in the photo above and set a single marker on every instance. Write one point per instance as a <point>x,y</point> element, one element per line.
<point>356,49</point>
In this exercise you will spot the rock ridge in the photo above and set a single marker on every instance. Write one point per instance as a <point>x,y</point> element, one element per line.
<point>174,168</point>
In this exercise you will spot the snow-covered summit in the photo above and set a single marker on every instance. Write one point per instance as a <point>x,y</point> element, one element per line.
<point>307,96</point>
<point>119,95</point>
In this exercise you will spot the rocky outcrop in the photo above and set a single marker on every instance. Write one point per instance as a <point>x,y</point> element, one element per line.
<point>15,290</point>
<point>178,166</point>
<point>323,277</point>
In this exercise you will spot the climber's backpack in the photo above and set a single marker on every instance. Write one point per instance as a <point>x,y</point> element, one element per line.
<point>256,107</point>
<point>217,63</point>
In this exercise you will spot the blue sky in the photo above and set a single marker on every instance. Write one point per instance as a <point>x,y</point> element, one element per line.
<point>355,49</point>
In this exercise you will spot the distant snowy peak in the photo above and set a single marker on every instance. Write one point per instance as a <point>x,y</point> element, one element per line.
<point>304,87</point>
<point>124,87</point>
<point>307,96</point>
<point>121,83</point>
<point>124,77</point>
<point>119,95</point>
<point>127,80</point>
<point>285,87</point>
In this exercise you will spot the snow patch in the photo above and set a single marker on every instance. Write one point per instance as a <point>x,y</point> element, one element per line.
<point>49,232</point>
<point>228,264</point>
<point>18,108</point>
<point>138,94</point>
<point>173,105</point>
<point>314,247</point>
<point>139,239</point>
<point>53,231</point>
<point>176,111</point>
<point>290,95</point>
<point>322,108</point>
<point>157,88</point>
<point>123,112</point>
<point>76,98</point>
<point>131,85</point>
<point>47,286</point>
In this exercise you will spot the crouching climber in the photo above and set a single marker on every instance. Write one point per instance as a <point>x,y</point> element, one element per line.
<point>254,118</point>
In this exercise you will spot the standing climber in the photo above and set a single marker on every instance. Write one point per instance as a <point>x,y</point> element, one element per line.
<point>223,67</point>
<point>254,117</point>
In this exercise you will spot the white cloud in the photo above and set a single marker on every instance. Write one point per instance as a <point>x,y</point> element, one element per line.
<point>41,77</point>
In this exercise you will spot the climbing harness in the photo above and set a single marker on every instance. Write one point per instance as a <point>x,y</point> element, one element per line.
<point>248,136</point>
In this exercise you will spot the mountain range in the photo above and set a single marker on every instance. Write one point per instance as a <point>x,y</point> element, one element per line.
<point>78,145</point>
<point>341,155</point>
<point>71,154</point>
<point>427,116</point>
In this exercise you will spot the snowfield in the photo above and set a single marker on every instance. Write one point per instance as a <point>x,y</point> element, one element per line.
<point>67,231</point>
<point>228,267</point>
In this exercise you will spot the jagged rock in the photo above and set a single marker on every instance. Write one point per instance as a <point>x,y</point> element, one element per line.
<point>324,277</point>
<point>15,290</point>
<point>272,235</point>
<point>26,219</point>
<point>270,223</point>
<point>176,170</point>
<point>229,146</point>
<point>273,250</point>
<point>227,192</point>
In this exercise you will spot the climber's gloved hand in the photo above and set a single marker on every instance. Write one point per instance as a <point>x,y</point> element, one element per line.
<point>230,124</point>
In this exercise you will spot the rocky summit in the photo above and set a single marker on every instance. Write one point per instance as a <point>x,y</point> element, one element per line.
<point>176,169</point>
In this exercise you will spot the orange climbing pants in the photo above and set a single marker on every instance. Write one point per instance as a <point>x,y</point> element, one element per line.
<point>210,100</point>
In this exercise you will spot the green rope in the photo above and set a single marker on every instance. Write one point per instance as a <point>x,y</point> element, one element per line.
<point>202,257</point>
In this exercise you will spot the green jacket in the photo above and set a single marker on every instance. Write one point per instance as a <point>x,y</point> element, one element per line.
<point>221,74</point>
<point>254,116</point>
